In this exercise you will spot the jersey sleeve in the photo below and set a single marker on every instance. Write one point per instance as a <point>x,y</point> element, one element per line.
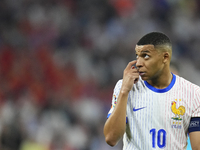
<point>196,103</point>
<point>115,96</point>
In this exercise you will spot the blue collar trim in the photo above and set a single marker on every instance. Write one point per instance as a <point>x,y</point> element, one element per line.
<point>162,90</point>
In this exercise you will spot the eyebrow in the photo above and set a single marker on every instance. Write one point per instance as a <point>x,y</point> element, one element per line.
<point>145,51</point>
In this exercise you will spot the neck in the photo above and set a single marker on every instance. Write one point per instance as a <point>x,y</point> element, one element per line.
<point>162,81</point>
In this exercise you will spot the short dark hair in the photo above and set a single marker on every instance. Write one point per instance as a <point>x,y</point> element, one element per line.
<point>154,38</point>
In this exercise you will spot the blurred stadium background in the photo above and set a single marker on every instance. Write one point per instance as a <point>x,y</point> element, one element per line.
<point>60,60</point>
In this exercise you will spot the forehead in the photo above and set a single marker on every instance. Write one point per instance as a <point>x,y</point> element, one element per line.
<point>142,48</point>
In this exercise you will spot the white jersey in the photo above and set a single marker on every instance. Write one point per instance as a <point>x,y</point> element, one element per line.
<point>159,118</point>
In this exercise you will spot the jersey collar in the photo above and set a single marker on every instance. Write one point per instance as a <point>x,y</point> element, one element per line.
<point>162,90</point>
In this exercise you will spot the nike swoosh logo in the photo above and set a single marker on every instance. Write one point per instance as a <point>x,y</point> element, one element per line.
<point>134,109</point>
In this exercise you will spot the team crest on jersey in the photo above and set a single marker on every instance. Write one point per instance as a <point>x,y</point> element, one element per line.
<point>178,112</point>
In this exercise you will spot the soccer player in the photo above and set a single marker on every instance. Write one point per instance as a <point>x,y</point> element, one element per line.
<point>152,108</point>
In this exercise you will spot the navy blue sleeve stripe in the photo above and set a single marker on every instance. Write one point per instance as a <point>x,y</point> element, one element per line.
<point>194,124</point>
<point>110,114</point>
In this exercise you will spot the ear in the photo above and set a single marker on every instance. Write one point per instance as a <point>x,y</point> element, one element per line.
<point>166,57</point>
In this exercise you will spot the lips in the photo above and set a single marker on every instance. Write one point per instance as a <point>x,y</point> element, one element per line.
<point>141,73</point>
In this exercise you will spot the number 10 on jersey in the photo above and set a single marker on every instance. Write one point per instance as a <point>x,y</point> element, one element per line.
<point>159,137</point>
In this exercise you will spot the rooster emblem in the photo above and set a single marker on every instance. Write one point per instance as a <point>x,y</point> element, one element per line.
<point>178,112</point>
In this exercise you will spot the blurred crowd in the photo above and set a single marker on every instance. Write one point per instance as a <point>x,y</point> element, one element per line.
<point>60,60</point>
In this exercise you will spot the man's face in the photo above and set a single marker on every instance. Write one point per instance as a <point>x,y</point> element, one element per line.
<point>149,62</point>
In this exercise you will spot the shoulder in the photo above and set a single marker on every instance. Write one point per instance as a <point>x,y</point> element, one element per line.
<point>118,85</point>
<point>182,82</point>
<point>119,82</point>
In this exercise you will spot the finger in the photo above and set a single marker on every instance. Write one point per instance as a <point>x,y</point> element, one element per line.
<point>130,64</point>
<point>134,68</point>
<point>136,80</point>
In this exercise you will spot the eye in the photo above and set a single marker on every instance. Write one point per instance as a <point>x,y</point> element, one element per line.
<point>146,56</point>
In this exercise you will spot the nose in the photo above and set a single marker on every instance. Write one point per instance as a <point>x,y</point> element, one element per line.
<point>139,63</point>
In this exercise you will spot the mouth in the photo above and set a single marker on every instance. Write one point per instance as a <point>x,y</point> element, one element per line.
<point>141,73</point>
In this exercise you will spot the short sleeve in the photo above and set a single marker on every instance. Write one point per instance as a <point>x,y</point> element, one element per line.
<point>115,96</point>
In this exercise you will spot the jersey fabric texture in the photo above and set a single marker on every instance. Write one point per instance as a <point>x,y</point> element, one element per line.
<point>159,118</point>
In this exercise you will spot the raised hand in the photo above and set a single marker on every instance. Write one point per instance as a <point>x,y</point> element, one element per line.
<point>130,77</point>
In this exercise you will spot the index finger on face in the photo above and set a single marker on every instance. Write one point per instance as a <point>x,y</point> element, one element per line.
<point>131,64</point>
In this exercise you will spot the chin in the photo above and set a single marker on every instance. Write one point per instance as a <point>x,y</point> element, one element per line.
<point>144,78</point>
